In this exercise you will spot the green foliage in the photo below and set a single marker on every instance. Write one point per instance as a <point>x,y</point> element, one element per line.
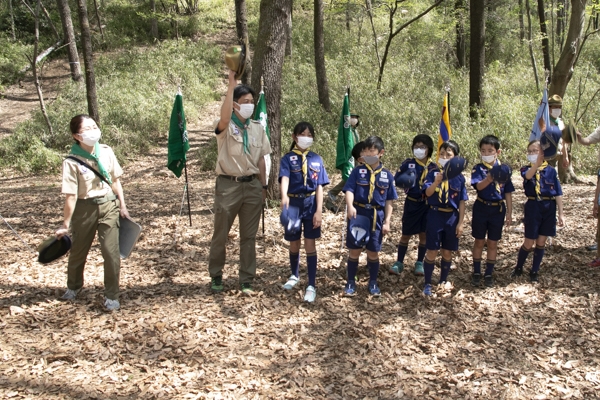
<point>12,59</point>
<point>27,154</point>
<point>207,155</point>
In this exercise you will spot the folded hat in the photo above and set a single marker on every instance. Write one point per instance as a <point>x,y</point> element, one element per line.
<point>549,141</point>
<point>52,249</point>
<point>290,219</point>
<point>501,173</point>
<point>454,167</point>
<point>235,59</point>
<point>407,179</point>
<point>360,230</point>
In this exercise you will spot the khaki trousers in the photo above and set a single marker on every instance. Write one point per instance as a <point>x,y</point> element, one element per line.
<point>87,219</point>
<point>242,199</point>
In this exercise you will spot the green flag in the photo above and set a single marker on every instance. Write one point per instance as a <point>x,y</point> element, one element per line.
<point>345,141</point>
<point>178,137</point>
<point>260,114</point>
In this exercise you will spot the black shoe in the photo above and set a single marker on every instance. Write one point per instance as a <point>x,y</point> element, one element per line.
<point>475,279</point>
<point>516,272</point>
<point>216,284</point>
<point>533,277</point>
<point>488,281</point>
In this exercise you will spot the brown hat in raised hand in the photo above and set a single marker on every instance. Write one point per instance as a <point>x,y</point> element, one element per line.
<point>569,134</point>
<point>555,100</point>
<point>235,58</point>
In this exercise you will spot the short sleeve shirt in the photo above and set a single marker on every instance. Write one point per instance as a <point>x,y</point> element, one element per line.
<point>232,160</point>
<point>81,181</point>
<point>359,183</point>
<point>457,191</point>
<point>549,183</point>
<point>291,166</point>
<point>492,192</point>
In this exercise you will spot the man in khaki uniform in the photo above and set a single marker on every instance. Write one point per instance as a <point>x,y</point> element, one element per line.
<point>241,185</point>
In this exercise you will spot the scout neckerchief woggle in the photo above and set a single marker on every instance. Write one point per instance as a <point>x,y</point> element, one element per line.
<point>374,173</point>
<point>95,156</point>
<point>424,173</point>
<point>489,167</point>
<point>303,154</point>
<point>538,189</point>
<point>244,128</point>
<point>443,188</point>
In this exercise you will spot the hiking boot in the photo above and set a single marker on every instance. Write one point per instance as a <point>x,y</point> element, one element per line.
<point>70,294</point>
<point>396,268</point>
<point>419,271</point>
<point>350,289</point>
<point>310,294</point>
<point>488,281</point>
<point>374,289</point>
<point>216,284</point>
<point>475,279</point>
<point>292,281</point>
<point>111,305</point>
<point>533,277</point>
<point>247,288</point>
<point>516,272</point>
<point>427,290</point>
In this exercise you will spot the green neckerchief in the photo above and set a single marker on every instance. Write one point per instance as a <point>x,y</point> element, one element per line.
<point>78,151</point>
<point>244,127</point>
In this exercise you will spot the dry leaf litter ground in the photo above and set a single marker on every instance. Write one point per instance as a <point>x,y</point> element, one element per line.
<point>174,339</point>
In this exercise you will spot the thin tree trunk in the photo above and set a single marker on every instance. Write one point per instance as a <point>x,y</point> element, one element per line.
<point>369,7</point>
<point>86,44</point>
<point>98,19</point>
<point>545,42</point>
<point>34,70</point>
<point>50,21</point>
<point>241,30</point>
<point>153,20</point>
<point>69,37</point>
<point>461,44</point>
<point>12,20</point>
<point>530,45</point>
<point>521,22</point>
<point>320,69</point>
<point>348,15</point>
<point>477,58</point>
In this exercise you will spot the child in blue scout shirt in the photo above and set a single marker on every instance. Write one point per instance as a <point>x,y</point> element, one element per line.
<point>490,211</point>
<point>414,215</point>
<point>446,200</point>
<point>369,191</point>
<point>302,176</point>
<point>544,196</point>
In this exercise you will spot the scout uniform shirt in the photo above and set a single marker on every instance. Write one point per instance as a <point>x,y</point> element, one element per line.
<point>291,166</point>
<point>495,191</point>
<point>452,197</point>
<point>81,181</point>
<point>415,192</point>
<point>549,186</point>
<point>232,160</point>
<point>359,183</point>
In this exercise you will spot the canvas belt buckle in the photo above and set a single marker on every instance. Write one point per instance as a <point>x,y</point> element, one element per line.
<point>366,206</point>
<point>491,203</point>
<point>301,195</point>
<point>245,178</point>
<point>436,208</point>
<point>415,199</point>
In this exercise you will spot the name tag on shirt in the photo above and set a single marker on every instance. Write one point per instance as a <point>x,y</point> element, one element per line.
<point>385,180</point>
<point>316,164</point>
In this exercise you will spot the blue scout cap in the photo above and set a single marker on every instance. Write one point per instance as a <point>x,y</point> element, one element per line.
<point>407,179</point>
<point>360,230</point>
<point>454,167</point>
<point>290,219</point>
<point>501,173</point>
<point>549,141</point>
<point>52,249</point>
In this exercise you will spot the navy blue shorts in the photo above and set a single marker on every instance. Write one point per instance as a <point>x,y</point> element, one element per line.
<point>414,217</point>
<point>540,218</point>
<point>375,237</point>
<point>307,208</point>
<point>441,230</point>
<point>488,219</point>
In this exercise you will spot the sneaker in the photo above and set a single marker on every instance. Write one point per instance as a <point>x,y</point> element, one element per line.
<point>310,294</point>
<point>111,305</point>
<point>70,294</point>
<point>427,290</point>
<point>216,284</point>
<point>516,272</point>
<point>396,268</point>
<point>595,263</point>
<point>475,279</point>
<point>419,271</point>
<point>292,280</point>
<point>374,289</point>
<point>350,289</point>
<point>247,288</point>
<point>488,281</point>
<point>533,277</point>
<point>592,247</point>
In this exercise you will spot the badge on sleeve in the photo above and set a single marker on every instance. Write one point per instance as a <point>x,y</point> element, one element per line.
<point>412,166</point>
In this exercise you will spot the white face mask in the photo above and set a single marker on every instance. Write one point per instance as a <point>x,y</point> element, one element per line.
<point>488,159</point>
<point>91,137</point>
<point>555,112</point>
<point>420,153</point>
<point>532,158</point>
<point>246,110</point>
<point>444,161</point>
<point>370,159</point>
<point>304,142</point>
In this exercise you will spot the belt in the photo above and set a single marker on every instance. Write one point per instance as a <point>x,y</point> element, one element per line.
<point>373,207</point>
<point>541,198</point>
<point>246,178</point>
<point>99,200</point>
<point>490,203</point>
<point>301,195</point>
<point>436,208</point>
<point>416,200</point>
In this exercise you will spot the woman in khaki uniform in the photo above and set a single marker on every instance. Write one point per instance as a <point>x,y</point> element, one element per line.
<point>92,204</point>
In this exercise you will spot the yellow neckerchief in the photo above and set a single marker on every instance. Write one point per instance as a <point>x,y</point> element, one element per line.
<point>297,150</point>
<point>538,189</point>
<point>444,186</point>
<point>372,179</point>
<point>489,167</point>
<point>424,173</point>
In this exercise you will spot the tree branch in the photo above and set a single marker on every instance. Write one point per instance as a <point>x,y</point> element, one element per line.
<point>434,5</point>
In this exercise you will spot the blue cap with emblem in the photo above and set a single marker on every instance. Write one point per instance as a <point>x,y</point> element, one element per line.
<point>454,167</point>
<point>407,179</point>
<point>549,141</point>
<point>501,173</point>
<point>360,230</point>
<point>290,219</point>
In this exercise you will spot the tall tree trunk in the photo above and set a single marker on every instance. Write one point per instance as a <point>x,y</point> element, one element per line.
<point>477,58</point>
<point>288,34</point>
<point>369,7</point>
<point>98,19</point>
<point>86,44</point>
<point>241,30</point>
<point>521,22</point>
<point>561,14</point>
<point>153,20</point>
<point>12,20</point>
<point>545,41</point>
<point>461,43</point>
<point>269,56</point>
<point>69,37</point>
<point>530,45</point>
<point>322,85</point>
<point>34,70</point>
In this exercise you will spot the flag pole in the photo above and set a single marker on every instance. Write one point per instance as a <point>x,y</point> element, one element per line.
<point>346,207</point>
<point>186,186</point>
<point>262,82</point>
